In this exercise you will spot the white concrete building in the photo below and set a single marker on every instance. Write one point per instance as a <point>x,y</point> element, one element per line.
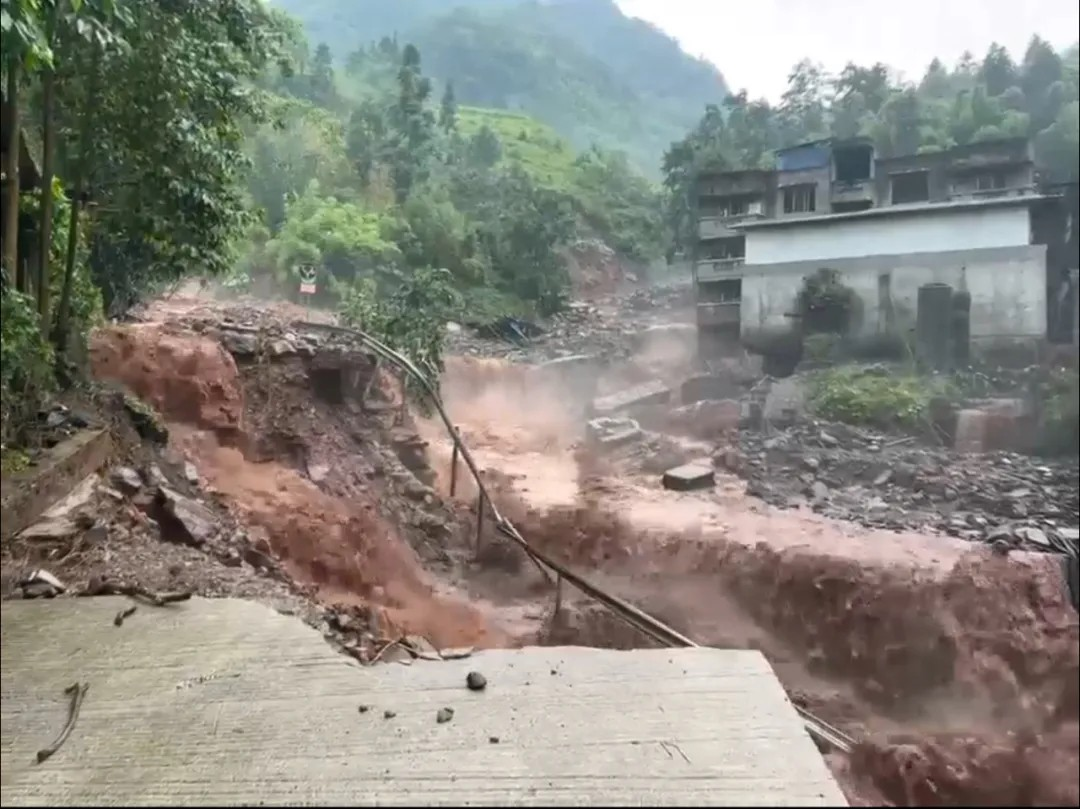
<point>983,246</point>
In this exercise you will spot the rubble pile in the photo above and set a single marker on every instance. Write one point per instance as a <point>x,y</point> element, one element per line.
<point>606,328</point>
<point>883,481</point>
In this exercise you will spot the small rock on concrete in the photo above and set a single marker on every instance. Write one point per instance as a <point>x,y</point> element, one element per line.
<point>689,477</point>
<point>476,681</point>
<point>444,715</point>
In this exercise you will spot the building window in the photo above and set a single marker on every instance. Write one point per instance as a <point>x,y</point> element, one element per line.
<point>726,291</point>
<point>719,249</point>
<point>854,164</point>
<point>993,181</point>
<point>800,198</point>
<point>912,186</point>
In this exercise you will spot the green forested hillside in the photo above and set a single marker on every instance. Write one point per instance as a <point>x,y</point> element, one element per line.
<point>374,174</point>
<point>580,66</point>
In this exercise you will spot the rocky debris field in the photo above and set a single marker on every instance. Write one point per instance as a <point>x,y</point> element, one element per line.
<point>133,532</point>
<point>608,328</point>
<point>882,481</point>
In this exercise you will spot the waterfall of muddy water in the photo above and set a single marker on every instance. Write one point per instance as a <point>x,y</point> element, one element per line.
<point>961,668</point>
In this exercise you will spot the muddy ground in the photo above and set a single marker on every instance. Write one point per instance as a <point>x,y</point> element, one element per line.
<point>955,662</point>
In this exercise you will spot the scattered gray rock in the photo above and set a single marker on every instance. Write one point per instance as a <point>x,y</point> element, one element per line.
<point>127,479</point>
<point>41,584</point>
<point>198,523</point>
<point>476,681</point>
<point>239,344</point>
<point>444,715</point>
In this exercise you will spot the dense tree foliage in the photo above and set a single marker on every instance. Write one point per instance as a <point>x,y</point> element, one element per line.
<point>381,178</point>
<point>133,113</point>
<point>1036,97</point>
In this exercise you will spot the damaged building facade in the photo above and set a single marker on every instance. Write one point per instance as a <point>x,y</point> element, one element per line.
<point>970,217</point>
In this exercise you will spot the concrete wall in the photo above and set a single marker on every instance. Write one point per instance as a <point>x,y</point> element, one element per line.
<point>929,231</point>
<point>1007,286</point>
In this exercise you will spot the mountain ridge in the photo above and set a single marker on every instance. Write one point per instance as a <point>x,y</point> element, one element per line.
<point>582,66</point>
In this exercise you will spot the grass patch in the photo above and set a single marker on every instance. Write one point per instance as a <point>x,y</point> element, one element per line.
<point>872,396</point>
<point>13,461</point>
<point>534,146</point>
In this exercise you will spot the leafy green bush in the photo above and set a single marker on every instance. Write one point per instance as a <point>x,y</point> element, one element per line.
<point>871,397</point>
<point>26,363</point>
<point>412,319</point>
<point>1059,426</point>
<point>820,347</point>
<point>825,304</point>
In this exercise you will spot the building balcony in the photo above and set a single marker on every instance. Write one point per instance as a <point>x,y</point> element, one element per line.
<point>718,314</point>
<point>715,227</point>
<point>719,227</point>
<point>958,193</point>
<point>844,192</point>
<point>717,269</point>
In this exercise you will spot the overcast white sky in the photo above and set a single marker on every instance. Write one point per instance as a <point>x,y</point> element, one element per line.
<point>755,42</point>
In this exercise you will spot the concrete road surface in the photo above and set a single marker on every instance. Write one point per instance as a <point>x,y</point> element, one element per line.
<point>228,702</point>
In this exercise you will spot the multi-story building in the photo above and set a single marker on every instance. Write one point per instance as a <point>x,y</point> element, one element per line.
<point>970,217</point>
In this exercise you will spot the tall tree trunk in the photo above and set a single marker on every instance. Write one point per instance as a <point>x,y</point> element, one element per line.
<point>48,149</point>
<point>11,172</point>
<point>60,336</point>
<point>48,85</point>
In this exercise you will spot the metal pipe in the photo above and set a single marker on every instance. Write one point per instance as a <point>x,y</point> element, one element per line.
<point>453,469</point>
<point>645,623</point>
<point>479,521</point>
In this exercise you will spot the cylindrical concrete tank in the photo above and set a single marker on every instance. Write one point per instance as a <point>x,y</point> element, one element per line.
<point>961,328</point>
<point>933,325</point>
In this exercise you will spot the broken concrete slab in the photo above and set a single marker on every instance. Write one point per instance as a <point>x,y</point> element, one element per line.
<point>50,530</point>
<point>707,386</point>
<point>29,494</point>
<point>707,418</point>
<point>220,700</point>
<point>689,477</point>
<point>610,433</point>
<point>649,393</point>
